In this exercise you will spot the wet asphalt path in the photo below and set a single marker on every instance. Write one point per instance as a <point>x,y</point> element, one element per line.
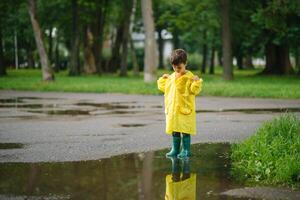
<point>54,126</point>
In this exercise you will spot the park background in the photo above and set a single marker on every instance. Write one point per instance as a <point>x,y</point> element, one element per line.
<point>240,48</point>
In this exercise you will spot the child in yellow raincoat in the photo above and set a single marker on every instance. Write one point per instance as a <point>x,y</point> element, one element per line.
<point>180,89</point>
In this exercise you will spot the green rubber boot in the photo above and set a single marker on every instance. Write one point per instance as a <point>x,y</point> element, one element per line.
<point>185,169</point>
<point>175,147</point>
<point>175,169</point>
<point>186,147</point>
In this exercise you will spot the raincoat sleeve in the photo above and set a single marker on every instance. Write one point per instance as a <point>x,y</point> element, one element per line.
<point>196,86</point>
<point>161,82</point>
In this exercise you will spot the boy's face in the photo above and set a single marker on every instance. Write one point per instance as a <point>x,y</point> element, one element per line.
<point>179,68</point>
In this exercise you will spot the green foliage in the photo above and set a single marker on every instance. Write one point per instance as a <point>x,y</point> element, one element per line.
<point>189,19</point>
<point>272,155</point>
<point>194,61</point>
<point>280,19</point>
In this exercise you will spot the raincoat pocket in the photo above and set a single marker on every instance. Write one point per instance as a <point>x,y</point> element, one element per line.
<point>185,107</point>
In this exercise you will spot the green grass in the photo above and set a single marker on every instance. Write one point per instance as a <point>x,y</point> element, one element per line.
<point>272,155</point>
<point>245,84</point>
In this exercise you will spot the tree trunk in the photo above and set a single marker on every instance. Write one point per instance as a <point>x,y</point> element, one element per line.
<point>150,59</point>
<point>99,35</point>
<point>239,60</point>
<point>277,59</point>
<point>30,58</point>
<point>160,49</point>
<point>248,62</point>
<point>46,69</point>
<point>297,59</point>
<point>134,59</point>
<point>127,15</point>
<point>50,51</point>
<point>176,39</point>
<point>74,57</point>
<point>226,41</point>
<point>16,49</point>
<point>57,65</point>
<point>133,54</point>
<point>212,61</point>
<point>115,60</point>
<point>2,65</point>
<point>204,54</point>
<point>220,58</point>
<point>89,59</point>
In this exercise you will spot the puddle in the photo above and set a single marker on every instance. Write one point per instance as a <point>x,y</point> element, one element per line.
<point>62,112</point>
<point>38,105</point>
<point>132,125</point>
<point>61,107</point>
<point>120,112</point>
<point>26,106</point>
<point>11,146</point>
<point>254,110</point>
<point>22,99</point>
<point>10,100</point>
<point>111,106</point>
<point>134,176</point>
<point>157,106</point>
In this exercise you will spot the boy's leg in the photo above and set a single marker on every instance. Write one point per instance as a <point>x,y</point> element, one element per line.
<point>175,146</point>
<point>186,146</point>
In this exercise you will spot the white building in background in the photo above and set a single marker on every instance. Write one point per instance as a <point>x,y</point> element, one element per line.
<point>138,40</point>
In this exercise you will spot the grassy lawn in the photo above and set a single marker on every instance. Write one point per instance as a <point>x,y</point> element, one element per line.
<point>245,84</point>
<point>272,155</point>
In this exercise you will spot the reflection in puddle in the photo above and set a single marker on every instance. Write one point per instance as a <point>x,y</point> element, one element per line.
<point>11,145</point>
<point>132,125</point>
<point>181,183</point>
<point>135,176</point>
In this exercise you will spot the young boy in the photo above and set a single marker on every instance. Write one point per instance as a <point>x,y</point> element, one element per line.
<point>180,89</point>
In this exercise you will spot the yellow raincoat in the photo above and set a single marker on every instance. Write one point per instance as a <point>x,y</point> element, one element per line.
<point>181,190</point>
<point>179,101</point>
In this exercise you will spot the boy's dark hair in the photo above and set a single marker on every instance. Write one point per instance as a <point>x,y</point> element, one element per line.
<point>178,56</point>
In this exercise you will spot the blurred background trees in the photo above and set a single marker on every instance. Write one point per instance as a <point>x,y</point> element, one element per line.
<point>102,36</point>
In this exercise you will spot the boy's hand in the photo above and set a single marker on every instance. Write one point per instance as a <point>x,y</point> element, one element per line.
<point>196,78</point>
<point>165,76</point>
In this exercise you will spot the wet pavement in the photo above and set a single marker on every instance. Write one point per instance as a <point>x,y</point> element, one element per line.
<point>54,126</point>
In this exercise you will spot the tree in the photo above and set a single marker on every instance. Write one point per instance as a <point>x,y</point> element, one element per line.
<point>278,22</point>
<point>150,59</point>
<point>98,25</point>
<point>46,69</point>
<point>226,41</point>
<point>74,58</point>
<point>127,15</point>
<point>2,64</point>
